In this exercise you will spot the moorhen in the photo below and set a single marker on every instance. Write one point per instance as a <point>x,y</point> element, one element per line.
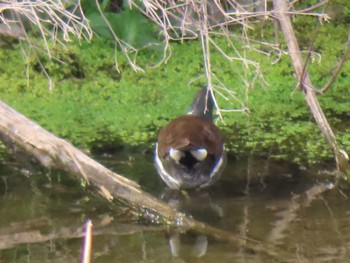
<point>189,152</point>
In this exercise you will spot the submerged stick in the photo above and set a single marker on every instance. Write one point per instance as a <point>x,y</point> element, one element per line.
<point>31,231</point>
<point>86,255</point>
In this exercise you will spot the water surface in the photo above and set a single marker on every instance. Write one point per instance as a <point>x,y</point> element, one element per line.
<point>296,214</point>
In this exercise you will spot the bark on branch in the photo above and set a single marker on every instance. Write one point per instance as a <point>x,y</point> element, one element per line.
<point>281,9</point>
<point>52,151</point>
<point>55,152</point>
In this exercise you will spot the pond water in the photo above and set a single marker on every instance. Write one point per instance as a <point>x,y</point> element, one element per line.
<point>296,214</point>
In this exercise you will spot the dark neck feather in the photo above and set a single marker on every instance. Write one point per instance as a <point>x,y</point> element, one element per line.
<point>202,104</point>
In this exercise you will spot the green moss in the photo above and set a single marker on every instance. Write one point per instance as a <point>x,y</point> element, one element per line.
<point>96,106</point>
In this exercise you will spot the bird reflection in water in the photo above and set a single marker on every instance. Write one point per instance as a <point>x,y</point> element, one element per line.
<point>197,204</point>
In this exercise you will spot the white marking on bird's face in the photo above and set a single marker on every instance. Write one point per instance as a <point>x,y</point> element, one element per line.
<point>176,154</point>
<point>199,154</point>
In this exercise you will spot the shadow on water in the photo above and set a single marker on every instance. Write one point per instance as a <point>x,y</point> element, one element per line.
<point>276,203</point>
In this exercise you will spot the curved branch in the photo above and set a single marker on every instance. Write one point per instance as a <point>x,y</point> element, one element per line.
<point>51,151</point>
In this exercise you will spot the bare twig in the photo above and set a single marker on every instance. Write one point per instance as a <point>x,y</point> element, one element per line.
<point>125,47</point>
<point>306,86</point>
<point>39,14</point>
<point>86,258</point>
<point>338,67</point>
<point>313,7</point>
<point>181,20</point>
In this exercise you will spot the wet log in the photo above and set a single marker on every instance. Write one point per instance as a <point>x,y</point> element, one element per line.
<point>310,93</point>
<point>54,152</point>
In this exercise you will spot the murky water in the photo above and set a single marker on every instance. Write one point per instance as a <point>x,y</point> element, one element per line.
<point>293,212</point>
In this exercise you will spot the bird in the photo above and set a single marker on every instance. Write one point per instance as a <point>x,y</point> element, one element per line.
<point>190,150</point>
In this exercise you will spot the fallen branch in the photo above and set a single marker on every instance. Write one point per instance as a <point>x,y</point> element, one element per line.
<point>54,152</point>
